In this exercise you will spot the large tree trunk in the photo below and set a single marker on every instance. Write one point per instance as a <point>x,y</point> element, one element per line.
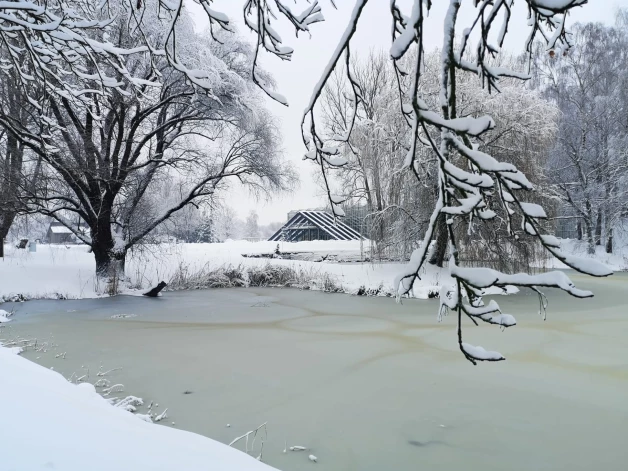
<point>590,237</point>
<point>6,220</point>
<point>110,259</point>
<point>108,263</point>
<point>442,238</point>
<point>598,229</point>
<point>10,181</point>
<point>609,241</point>
<point>109,270</point>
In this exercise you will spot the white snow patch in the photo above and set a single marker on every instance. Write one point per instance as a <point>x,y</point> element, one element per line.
<point>480,353</point>
<point>46,419</point>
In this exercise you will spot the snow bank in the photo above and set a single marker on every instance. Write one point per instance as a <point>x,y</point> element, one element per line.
<point>4,316</point>
<point>617,261</point>
<point>12,350</point>
<point>49,423</point>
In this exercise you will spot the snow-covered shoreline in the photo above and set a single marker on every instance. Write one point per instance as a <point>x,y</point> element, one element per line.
<point>49,423</point>
<point>67,272</point>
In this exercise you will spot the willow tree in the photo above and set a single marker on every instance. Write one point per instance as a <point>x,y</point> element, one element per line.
<point>468,179</point>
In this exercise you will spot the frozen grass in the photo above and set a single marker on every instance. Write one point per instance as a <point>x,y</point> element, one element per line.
<point>187,277</point>
<point>267,275</point>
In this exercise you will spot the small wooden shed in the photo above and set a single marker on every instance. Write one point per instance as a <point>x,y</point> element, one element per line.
<point>59,234</point>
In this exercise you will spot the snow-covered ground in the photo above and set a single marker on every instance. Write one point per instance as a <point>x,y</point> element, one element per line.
<point>59,271</point>
<point>75,429</point>
<point>4,316</point>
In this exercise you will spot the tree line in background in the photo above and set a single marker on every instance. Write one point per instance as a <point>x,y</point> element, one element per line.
<point>589,160</point>
<point>208,224</point>
<point>566,128</point>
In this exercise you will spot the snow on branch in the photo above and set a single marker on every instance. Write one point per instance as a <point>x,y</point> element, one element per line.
<point>252,435</point>
<point>552,7</point>
<point>466,185</point>
<point>54,43</point>
<point>259,17</point>
<point>477,353</point>
<point>483,278</point>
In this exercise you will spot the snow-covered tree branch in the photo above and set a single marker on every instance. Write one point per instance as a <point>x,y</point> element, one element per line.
<point>467,176</point>
<point>122,99</point>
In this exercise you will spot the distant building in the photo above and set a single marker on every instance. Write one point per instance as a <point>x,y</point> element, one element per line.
<point>59,234</point>
<point>314,225</point>
<point>357,217</point>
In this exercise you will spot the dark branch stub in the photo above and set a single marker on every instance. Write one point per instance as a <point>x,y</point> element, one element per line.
<point>153,293</point>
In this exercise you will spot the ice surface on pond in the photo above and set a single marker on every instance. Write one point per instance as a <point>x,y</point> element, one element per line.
<point>363,383</point>
<point>123,316</point>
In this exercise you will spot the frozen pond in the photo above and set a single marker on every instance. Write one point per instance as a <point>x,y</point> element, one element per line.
<point>366,384</point>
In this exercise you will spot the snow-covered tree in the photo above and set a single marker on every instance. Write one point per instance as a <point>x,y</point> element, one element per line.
<point>378,140</point>
<point>251,226</point>
<point>11,165</point>
<point>110,153</point>
<point>589,163</point>
<point>18,170</point>
<point>228,226</point>
<point>206,231</point>
<point>192,223</point>
<point>524,121</point>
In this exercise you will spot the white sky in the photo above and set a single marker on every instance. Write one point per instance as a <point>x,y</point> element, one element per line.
<point>296,78</point>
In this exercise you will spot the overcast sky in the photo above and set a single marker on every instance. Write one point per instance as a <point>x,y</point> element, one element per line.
<point>296,78</point>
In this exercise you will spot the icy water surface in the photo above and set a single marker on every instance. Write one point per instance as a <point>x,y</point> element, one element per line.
<point>364,383</point>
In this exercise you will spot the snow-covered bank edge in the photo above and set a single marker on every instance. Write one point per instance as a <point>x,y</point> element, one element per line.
<point>238,276</point>
<point>60,272</point>
<point>274,275</point>
<point>45,418</point>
